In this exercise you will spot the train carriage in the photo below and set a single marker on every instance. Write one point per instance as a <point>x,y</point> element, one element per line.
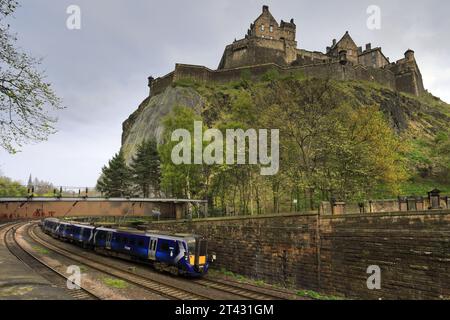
<point>176,253</point>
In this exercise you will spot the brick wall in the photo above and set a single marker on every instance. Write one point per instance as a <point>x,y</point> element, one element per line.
<point>331,254</point>
<point>76,208</point>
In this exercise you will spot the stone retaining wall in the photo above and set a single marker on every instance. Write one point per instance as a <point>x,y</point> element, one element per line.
<point>331,254</point>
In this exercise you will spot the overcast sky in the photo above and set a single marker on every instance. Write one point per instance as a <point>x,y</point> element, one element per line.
<point>100,71</point>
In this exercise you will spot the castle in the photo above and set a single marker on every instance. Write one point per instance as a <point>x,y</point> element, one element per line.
<point>272,45</point>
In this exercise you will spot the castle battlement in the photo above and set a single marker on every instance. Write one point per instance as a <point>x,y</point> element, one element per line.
<point>272,44</point>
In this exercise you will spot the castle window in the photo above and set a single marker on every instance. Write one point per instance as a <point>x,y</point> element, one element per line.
<point>271,28</point>
<point>262,27</point>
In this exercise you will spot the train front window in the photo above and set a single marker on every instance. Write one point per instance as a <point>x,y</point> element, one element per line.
<point>191,246</point>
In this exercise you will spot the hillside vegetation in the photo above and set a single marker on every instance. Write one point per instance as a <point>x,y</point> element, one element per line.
<point>343,140</point>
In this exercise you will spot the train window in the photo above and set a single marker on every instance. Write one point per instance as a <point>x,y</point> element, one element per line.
<point>191,246</point>
<point>164,246</point>
<point>132,242</point>
<point>141,243</point>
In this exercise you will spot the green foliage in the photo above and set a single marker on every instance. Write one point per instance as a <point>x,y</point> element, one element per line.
<point>442,155</point>
<point>145,168</point>
<point>41,250</point>
<point>9,188</point>
<point>186,83</point>
<point>115,283</point>
<point>271,75</point>
<point>315,295</point>
<point>116,178</point>
<point>184,180</point>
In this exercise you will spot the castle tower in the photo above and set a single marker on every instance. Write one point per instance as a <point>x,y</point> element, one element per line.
<point>267,41</point>
<point>408,77</point>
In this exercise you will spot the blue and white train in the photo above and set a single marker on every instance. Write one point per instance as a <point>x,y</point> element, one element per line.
<point>180,254</point>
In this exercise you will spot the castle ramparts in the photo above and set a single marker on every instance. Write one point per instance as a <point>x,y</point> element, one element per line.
<point>269,45</point>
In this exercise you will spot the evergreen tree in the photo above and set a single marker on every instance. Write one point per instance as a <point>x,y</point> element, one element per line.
<point>146,168</point>
<point>30,182</point>
<point>116,178</point>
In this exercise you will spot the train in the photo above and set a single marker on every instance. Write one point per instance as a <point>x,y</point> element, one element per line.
<point>179,254</point>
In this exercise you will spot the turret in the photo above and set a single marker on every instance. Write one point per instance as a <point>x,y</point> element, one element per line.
<point>409,55</point>
<point>150,82</point>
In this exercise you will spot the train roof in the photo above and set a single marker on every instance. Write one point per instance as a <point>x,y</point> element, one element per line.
<point>150,233</point>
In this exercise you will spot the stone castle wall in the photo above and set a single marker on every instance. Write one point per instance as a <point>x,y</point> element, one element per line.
<point>331,254</point>
<point>333,70</point>
<point>255,51</point>
<point>160,84</point>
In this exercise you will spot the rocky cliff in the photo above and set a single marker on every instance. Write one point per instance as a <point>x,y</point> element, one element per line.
<point>146,121</point>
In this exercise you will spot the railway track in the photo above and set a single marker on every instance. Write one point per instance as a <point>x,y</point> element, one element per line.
<point>245,292</point>
<point>8,234</point>
<point>152,285</point>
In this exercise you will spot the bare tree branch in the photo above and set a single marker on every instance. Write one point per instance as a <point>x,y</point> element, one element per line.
<point>26,99</point>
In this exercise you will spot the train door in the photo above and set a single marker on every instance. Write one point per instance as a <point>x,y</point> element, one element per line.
<point>152,248</point>
<point>108,240</point>
<point>201,252</point>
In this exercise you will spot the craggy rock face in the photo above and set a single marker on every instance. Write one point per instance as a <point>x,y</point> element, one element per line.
<point>146,122</point>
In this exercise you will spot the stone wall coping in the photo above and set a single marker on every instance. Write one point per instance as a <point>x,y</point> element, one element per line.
<point>390,214</point>
<point>127,200</point>
<point>311,214</point>
<point>255,217</point>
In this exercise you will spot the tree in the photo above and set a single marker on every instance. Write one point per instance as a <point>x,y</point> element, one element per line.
<point>25,97</point>
<point>145,168</point>
<point>9,188</point>
<point>42,187</point>
<point>30,181</point>
<point>116,179</point>
<point>184,180</point>
<point>330,148</point>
